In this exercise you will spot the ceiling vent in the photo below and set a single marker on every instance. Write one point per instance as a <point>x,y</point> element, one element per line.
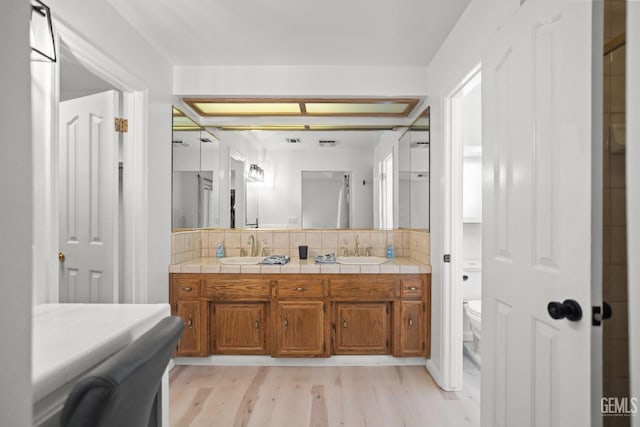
<point>327,143</point>
<point>293,140</point>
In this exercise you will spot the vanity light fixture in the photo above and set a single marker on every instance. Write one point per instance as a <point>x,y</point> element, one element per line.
<point>43,46</point>
<point>256,173</point>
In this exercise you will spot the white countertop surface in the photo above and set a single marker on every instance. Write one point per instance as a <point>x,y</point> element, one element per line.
<point>69,339</point>
<point>301,266</point>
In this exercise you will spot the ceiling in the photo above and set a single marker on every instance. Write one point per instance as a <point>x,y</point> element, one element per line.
<point>294,32</point>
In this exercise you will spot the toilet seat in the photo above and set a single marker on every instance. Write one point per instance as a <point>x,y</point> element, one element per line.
<point>474,307</point>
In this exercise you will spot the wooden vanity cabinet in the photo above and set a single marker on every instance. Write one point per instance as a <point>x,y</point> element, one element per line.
<point>411,316</point>
<point>184,294</point>
<point>238,318</point>
<point>300,322</point>
<point>302,315</point>
<point>362,328</point>
<point>238,328</point>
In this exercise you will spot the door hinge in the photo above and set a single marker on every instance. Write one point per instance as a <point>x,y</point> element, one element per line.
<point>447,258</point>
<point>387,342</point>
<point>324,307</point>
<point>387,308</point>
<point>121,125</point>
<point>324,346</point>
<point>423,346</point>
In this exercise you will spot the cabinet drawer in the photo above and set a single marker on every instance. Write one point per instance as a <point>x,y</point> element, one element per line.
<point>362,286</point>
<point>187,287</point>
<point>299,288</point>
<point>243,288</point>
<point>413,287</point>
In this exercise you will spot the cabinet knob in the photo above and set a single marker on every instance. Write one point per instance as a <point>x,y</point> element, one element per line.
<point>413,288</point>
<point>300,289</point>
<point>285,324</point>
<point>410,322</point>
<point>344,324</point>
<point>186,288</point>
<point>61,256</point>
<point>189,323</point>
<point>257,324</point>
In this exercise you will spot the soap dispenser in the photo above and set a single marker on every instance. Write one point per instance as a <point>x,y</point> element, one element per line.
<point>219,251</point>
<point>390,250</point>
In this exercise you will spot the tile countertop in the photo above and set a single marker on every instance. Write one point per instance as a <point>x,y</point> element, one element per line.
<point>69,339</point>
<point>295,265</point>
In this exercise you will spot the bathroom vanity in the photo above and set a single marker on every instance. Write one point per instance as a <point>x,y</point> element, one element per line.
<point>302,314</point>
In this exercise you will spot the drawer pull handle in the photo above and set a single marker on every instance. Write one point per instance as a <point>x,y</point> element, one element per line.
<point>410,323</point>
<point>257,324</point>
<point>186,288</point>
<point>344,324</point>
<point>190,322</point>
<point>413,288</point>
<point>300,289</point>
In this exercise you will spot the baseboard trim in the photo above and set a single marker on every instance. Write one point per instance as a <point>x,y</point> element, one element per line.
<point>435,373</point>
<point>373,360</point>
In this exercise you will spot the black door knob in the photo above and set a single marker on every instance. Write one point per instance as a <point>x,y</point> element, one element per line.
<point>568,308</point>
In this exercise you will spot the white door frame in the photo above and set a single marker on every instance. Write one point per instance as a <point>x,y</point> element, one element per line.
<point>451,320</point>
<point>134,156</point>
<point>633,194</point>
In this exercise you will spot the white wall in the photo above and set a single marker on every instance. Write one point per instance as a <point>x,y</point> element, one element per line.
<point>300,80</point>
<point>15,215</point>
<point>633,192</point>
<point>102,27</point>
<point>457,56</point>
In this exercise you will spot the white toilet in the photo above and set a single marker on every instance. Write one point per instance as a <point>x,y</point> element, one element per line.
<point>472,296</point>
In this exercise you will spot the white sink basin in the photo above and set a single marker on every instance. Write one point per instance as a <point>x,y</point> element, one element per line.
<point>359,260</point>
<point>241,260</point>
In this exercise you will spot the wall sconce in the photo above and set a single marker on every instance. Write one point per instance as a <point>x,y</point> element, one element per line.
<point>43,46</point>
<point>256,173</point>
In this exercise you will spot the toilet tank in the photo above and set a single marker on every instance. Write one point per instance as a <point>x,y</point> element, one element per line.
<point>472,286</point>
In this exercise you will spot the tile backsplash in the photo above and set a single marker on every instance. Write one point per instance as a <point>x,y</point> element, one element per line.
<point>187,245</point>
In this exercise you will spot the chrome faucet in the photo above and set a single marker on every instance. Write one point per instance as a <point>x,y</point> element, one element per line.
<point>252,242</point>
<point>356,250</point>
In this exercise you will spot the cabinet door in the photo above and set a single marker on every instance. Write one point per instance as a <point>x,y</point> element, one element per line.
<point>299,329</point>
<point>362,328</point>
<point>238,328</point>
<point>190,343</point>
<point>411,330</point>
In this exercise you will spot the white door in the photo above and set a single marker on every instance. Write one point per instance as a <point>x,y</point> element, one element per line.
<point>537,131</point>
<point>633,194</point>
<point>88,183</point>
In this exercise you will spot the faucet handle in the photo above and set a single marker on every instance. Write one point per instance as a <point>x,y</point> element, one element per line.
<point>345,251</point>
<point>367,251</point>
<point>265,251</point>
<point>243,252</point>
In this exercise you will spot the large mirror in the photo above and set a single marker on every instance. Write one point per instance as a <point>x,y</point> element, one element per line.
<point>413,175</point>
<point>296,179</point>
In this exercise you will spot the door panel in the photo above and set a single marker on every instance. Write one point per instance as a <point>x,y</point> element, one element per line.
<point>362,328</point>
<point>537,124</point>
<point>239,328</point>
<point>87,198</point>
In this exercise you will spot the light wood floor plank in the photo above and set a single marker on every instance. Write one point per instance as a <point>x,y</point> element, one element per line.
<point>316,397</point>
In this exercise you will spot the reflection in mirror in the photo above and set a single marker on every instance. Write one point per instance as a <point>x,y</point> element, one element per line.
<point>326,199</point>
<point>413,163</point>
<point>194,185</point>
